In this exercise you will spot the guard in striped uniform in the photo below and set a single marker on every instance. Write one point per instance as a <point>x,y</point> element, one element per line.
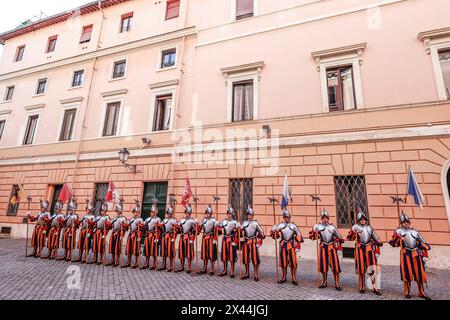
<point>86,233</point>
<point>169,234</point>
<point>187,227</point>
<point>151,239</point>
<point>70,233</point>
<point>38,236</point>
<point>330,246</point>
<point>133,247</point>
<point>57,224</point>
<point>118,226</point>
<point>367,250</point>
<point>230,241</point>
<point>413,256</point>
<point>100,233</point>
<point>209,241</point>
<point>253,236</point>
<point>290,242</point>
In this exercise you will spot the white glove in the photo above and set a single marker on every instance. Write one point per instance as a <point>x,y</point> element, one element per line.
<point>191,242</point>
<point>89,235</point>
<point>377,255</point>
<point>215,242</point>
<point>28,213</point>
<point>425,259</point>
<point>340,255</point>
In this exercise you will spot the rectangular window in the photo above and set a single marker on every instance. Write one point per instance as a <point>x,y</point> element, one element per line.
<point>341,88</point>
<point>86,34</point>
<point>119,69</point>
<point>173,9</point>
<point>78,77</point>
<point>30,130</point>
<point>19,53</point>
<point>244,9</point>
<point>444,58</point>
<point>9,93</point>
<point>51,45</point>
<point>154,191</point>
<point>67,125</point>
<point>99,197</point>
<point>56,192</point>
<point>243,100</point>
<point>351,196</point>
<point>163,113</point>
<point>41,87</point>
<point>2,128</point>
<point>241,196</point>
<point>111,119</point>
<point>126,21</point>
<point>13,205</point>
<point>168,58</point>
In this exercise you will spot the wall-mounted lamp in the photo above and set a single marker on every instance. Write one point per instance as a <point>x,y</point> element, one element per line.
<point>124,154</point>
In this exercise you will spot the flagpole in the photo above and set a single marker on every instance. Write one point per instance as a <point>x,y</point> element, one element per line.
<point>273,200</point>
<point>216,199</point>
<point>26,239</point>
<point>316,199</point>
<point>196,227</point>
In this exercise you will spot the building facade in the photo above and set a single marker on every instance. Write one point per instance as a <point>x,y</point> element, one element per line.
<point>342,96</point>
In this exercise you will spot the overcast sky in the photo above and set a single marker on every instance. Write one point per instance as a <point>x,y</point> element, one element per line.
<point>17,11</point>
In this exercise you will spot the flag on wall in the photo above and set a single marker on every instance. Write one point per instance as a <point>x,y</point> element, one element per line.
<point>113,194</point>
<point>66,193</point>
<point>413,189</point>
<point>22,194</point>
<point>187,193</point>
<point>286,197</point>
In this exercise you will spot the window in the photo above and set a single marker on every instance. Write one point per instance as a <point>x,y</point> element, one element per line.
<point>56,192</point>
<point>77,79</point>
<point>341,89</point>
<point>243,100</point>
<point>241,196</point>
<point>67,125</point>
<point>444,59</point>
<point>172,9</point>
<point>19,53</point>
<point>351,196</point>
<point>163,113</point>
<point>51,45</point>
<point>13,205</point>
<point>154,191</point>
<point>119,69</point>
<point>168,58</point>
<point>41,87</point>
<point>86,34</point>
<point>9,93</point>
<point>2,128</point>
<point>244,9</point>
<point>111,119</point>
<point>126,21</point>
<point>99,197</point>
<point>30,130</point>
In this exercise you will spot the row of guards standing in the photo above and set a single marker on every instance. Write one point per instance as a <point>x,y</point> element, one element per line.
<point>159,237</point>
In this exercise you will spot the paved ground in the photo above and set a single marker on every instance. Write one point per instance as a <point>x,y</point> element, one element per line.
<point>34,278</point>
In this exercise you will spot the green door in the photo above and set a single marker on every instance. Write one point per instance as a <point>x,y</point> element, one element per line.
<point>152,191</point>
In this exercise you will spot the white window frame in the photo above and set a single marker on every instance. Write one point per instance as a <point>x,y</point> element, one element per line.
<point>108,100</point>
<point>238,77</point>
<point>161,50</point>
<point>30,113</point>
<point>37,85</point>
<point>158,92</point>
<point>3,117</point>
<point>6,92</point>
<point>435,47</point>
<point>72,74</point>
<point>234,10</point>
<point>111,72</point>
<point>66,107</point>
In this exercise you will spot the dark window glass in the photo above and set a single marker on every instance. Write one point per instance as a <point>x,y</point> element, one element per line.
<point>100,193</point>
<point>163,113</point>
<point>42,84</point>
<point>56,192</point>
<point>31,130</point>
<point>241,196</point>
<point>86,34</point>
<point>19,54</point>
<point>152,191</point>
<point>119,69</point>
<point>243,101</point>
<point>77,80</point>
<point>444,58</point>
<point>51,45</point>
<point>9,93</point>
<point>173,9</point>
<point>111,119</point>
<point>67,125</point>
<point>351,196</point>
<point>126,22</point>
<point>13,204</point>
<point>244,9</point>
<point>341,89</point>
<point>168,58</point>
<point>2,128</point>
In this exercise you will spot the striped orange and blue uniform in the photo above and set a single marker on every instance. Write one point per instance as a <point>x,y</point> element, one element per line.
<point>328,256</point>
<point>186,247</point>
<point>150,244</point>
<point>365,254</point>
<point>288,254</point>
<point>229,252</point>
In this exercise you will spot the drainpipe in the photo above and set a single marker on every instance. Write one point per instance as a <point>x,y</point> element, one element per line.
<point>88,98</point>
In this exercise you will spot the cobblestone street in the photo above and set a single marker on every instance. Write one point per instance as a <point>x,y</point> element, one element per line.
<point>33,278</point>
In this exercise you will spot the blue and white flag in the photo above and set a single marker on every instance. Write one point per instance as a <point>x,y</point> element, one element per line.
<point>413,189</point>
<point>286,193</point>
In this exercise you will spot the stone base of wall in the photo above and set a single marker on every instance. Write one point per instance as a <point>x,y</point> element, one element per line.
<point>439,256</point>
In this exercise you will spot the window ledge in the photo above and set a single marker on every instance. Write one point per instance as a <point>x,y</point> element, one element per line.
<point>74,88</point>
<point>71,100</point>
<point>114,93</point>
<point>356,50</point>
<point>116,79</point>
<point>243,67</point>
<point>428,36</point>
<point>6,101</point>
<point>164,84</point>
<point>38,95</point>
<point>166,69</point>
<point>35,107</point>
<point>5,112</point>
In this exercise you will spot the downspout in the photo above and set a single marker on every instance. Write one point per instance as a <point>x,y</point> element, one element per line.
<point>88,98</point>
<point>177,100</point>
